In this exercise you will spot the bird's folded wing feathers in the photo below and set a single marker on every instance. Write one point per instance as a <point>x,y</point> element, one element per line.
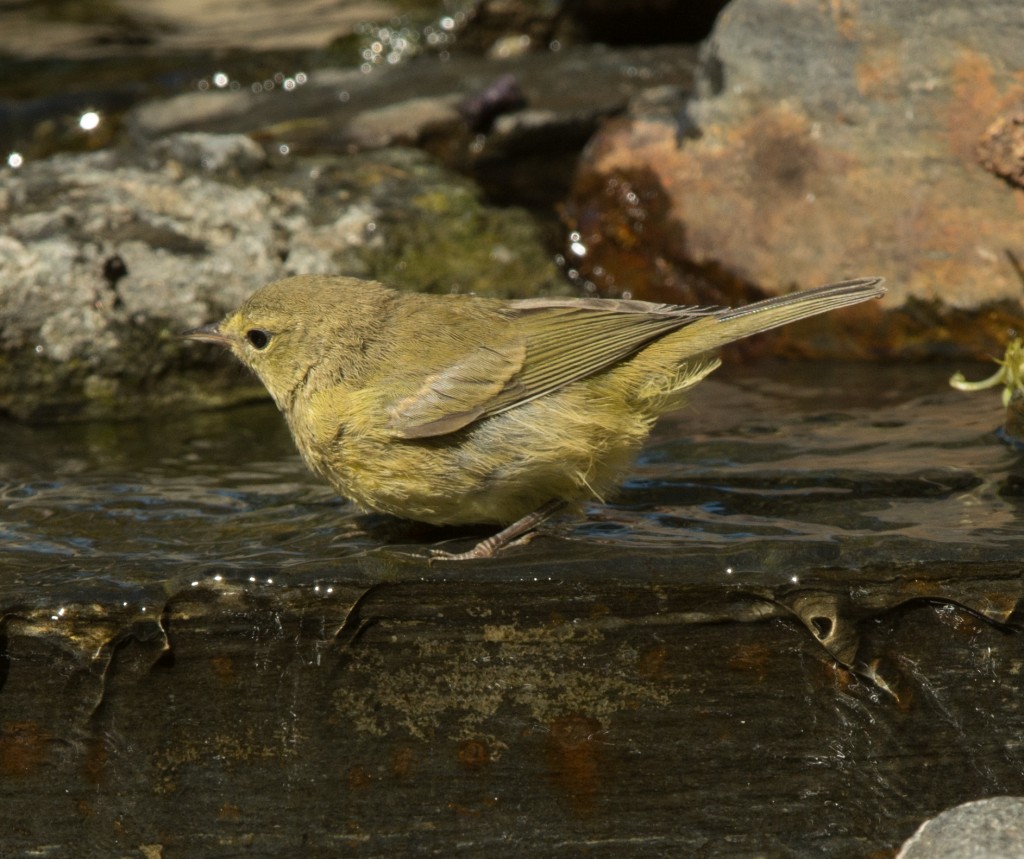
<point>555,343</point>
<point>460,393</point>
<point>546,344</point>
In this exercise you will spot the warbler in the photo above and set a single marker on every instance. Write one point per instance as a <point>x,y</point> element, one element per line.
<point>459,409</point>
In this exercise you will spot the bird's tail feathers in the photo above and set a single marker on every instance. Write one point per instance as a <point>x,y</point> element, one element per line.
<point>734,324</point>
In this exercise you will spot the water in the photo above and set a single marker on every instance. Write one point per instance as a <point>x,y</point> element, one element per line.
<point>866,461</point>
<point>790,634</point>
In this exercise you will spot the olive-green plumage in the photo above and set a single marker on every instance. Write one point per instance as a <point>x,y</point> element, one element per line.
<point>457,409</point>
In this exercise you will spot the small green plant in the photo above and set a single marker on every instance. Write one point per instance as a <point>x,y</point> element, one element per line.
<point>1010,373</point>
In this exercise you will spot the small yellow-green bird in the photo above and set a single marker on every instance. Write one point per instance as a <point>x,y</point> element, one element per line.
<point>457,409</point>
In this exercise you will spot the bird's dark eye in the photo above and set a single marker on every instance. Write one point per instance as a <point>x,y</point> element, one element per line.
<point>258,338</point>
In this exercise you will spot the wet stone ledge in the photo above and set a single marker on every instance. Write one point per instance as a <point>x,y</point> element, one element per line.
<point>621,700</point>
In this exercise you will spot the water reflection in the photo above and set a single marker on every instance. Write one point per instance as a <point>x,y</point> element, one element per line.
<point>861,461</point>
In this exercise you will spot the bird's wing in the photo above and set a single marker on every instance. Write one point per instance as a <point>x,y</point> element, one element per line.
<point>544,345</point>
<point>536,346</point>
<point>460,393</point>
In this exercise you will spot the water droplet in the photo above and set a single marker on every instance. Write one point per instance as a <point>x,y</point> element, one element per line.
<point>15,160</point>
<point>89,121</point>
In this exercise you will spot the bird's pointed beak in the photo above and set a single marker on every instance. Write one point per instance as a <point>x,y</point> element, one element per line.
<point>207,334</point>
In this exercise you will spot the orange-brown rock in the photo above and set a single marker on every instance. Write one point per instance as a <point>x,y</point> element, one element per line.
<point>829,140</point>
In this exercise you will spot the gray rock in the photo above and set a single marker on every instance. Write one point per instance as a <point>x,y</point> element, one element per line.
<point>229,154</point>
<point>406,123</point>
<point>105,258</point>
<point>986,829</point>
<point>190,110</point>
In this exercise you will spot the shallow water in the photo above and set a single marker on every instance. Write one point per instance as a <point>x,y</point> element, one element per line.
<point>791,634</point>
<point>817,462</point>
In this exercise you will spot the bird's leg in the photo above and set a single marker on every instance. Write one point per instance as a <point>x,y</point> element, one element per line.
<point>490,547</point>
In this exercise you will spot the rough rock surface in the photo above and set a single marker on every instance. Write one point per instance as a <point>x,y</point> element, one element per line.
<point>987,829</point>
<point>105,258</point>
<point>829,140</point>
